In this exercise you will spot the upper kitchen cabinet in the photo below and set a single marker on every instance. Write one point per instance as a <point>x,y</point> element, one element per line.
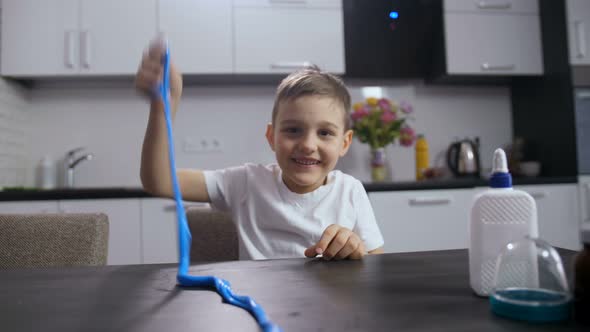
<point>200,32</point>
<point>279,36</point>
<point>578,25</point>
<point>39,37</point>
<point>491,38</point>
<point>75,37</point>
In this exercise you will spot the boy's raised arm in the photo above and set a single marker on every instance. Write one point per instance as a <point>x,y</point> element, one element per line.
<point>155,167</point>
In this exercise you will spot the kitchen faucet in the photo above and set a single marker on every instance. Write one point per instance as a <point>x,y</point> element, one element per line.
<point>70,164</point>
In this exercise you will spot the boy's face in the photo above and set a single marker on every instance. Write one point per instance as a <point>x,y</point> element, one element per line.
<point>308,137</point>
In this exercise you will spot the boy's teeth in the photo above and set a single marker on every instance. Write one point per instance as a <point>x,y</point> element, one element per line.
<point>307,162</point>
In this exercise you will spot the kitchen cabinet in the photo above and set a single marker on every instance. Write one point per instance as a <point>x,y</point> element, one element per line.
<point>498,38</point>
<point>578,27</point>
<point>75,37</point>
<point>159,232</point>
<point>200,32</point>
<point>557,213</point>
<point>124,225</point>
<point>280,36</point>
<point>29,207</point>
<point>423,219</point>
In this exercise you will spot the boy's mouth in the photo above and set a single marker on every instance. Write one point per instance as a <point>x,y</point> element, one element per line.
<point>305,161</point>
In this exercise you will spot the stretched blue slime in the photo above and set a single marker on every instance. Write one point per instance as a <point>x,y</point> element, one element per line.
<point>184,236</point>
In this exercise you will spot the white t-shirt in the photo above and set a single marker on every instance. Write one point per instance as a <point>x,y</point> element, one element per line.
<point>274,222</point>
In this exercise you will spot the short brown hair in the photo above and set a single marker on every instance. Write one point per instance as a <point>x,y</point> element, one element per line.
<point>311,81</point>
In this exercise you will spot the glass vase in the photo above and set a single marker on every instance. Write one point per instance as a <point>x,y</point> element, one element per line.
<point>379,171</point>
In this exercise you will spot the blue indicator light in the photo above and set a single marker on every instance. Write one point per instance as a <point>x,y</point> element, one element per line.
<point>393,15</point>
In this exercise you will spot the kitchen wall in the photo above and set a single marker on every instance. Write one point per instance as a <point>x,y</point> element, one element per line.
<point>15,134</point>
<point>110,119</point>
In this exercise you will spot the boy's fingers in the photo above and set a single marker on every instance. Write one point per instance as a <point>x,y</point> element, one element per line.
<point>327,237</point>
<point>310,252</point>
<point>338,243</point>
<point>350,247</point>
<point>156,50</point>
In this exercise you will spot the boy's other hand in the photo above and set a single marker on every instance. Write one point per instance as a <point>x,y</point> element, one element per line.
<point>149,74</point>
<point>338,242</point>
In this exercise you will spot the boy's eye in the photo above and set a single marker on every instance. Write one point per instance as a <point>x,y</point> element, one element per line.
<point>291,130</point>
<point>324,132</point>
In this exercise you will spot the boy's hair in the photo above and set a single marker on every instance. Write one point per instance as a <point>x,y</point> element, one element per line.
<point>311,81</point>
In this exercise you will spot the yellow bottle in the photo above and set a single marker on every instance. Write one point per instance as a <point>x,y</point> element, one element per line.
<point>421,157</point>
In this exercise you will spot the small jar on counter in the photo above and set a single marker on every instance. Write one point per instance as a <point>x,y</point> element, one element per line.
<point>582,280</point>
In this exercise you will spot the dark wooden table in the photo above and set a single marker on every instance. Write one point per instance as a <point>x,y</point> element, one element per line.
<point>426,291</point>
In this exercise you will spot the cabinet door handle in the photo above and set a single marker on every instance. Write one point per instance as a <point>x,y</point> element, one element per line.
<point>490,67</point>
<point>538,194</point>
<point>580,32</point>
<point>494,5</point>
<point>85,48</point>
<point>290,65</point>
<point>583,95</point>
<point>172,208</point>
<point>288,1</point>
<point>429,201</point>
<point>69,48</point>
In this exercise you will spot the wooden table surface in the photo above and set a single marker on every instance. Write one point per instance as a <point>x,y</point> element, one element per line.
<point>423,291</point>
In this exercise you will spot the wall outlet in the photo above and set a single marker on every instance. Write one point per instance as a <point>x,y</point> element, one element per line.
<point>202,145</point>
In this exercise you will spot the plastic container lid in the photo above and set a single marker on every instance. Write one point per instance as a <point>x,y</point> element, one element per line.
<point>530,283</point>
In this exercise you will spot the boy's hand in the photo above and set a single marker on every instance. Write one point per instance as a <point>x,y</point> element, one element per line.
<point>338,242</point>
<point>149,74</point>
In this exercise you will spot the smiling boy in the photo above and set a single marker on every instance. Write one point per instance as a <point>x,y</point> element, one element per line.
<point>299,206</point>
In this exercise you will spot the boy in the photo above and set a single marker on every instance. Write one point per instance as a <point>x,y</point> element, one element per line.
<point>299,206</point>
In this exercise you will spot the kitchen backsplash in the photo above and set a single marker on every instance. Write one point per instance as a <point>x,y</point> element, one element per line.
<point>15,134</point>
<point>110,122</point>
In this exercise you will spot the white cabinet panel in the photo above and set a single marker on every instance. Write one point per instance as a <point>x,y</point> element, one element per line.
<point>557,213</point>
<point>493,6</point>
<point>199,33</point>
<point>114,33</point>
<point>124,225</point>
<point>423,220</point>
<point>280,39</point>
<point>39,37</point>
<point>584,199</point>
<point>578,25</point>
<point>159,232</point>
<point>29,207</point>
<point>493,44</point>
<point>74,37</point>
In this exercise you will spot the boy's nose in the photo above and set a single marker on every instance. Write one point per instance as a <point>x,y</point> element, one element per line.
<point>308,144</point>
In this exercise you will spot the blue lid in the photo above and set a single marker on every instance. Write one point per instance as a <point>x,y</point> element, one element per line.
<point>500,178</point>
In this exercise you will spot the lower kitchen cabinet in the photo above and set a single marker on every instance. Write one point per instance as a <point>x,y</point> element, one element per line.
<point>159,233</point>
<point>423,219</point>
<point>124,225</point>
<point>558,213</point>
<point>29,207</point>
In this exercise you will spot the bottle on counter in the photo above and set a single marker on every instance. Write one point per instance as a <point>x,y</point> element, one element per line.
<point>46,173</point>
<point>499,216</point>
<point>582,280</point>
<point>422,160</point>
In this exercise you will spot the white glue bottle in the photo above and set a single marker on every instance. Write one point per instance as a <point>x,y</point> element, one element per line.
<point>499,216</point>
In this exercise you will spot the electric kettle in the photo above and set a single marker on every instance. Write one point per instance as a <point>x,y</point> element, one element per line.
<point>463,158</point>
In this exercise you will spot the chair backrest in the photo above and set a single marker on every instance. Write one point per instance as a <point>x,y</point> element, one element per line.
<point>214,235</point>
<point>48,240</point>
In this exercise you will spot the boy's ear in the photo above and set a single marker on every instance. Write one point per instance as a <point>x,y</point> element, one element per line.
<point>270,137</point>
<point>346,142</point>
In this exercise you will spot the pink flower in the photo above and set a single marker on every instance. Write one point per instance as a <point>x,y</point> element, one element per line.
<point>384,105</point>
<point>406,107</point>
<point>407,136</point>
<point>388,117</point>
<point>359,114</point>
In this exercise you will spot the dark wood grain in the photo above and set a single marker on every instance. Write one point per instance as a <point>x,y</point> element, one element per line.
<point>425,291</point>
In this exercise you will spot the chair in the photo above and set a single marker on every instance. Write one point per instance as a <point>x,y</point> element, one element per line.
<point>52,240</point>
<point>214,235</point>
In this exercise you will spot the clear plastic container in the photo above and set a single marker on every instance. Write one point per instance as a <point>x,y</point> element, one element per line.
<point>530,283</point>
